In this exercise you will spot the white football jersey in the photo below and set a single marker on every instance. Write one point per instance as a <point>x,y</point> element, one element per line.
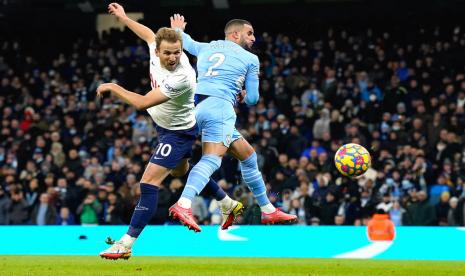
<point>179,85</point>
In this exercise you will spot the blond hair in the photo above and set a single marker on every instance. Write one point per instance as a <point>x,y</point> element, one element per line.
<point>167,34</point>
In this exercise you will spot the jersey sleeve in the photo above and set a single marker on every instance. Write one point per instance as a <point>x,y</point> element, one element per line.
<point>175,85</point>
<point>185,60</point>
<point>152,47</point>
<point>190,45</point>
<point>251,82</point>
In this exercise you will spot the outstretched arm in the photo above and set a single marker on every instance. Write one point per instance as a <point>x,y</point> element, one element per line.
<point>251,83</point>
<point>171,87</point>
<point>152,98</point>
<point>190,45</point>
<point>140,30</point>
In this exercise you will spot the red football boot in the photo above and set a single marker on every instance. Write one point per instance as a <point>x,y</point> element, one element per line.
<point>278,217</point>
<point>185,216</point>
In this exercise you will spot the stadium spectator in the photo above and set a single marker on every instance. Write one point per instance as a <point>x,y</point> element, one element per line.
<point>329,209</point>
<point>442,209</point>
<point>114,211</point>
<point>298,210</point>
<point>396,213</point>
<point>44,213</point>
<point>65,217</point>
<point>380,227</point>
<point>459,214</point>
<point>451,221</point>
<point>419,211</point>
<point>5,203</point>
<point>89,210</point>
<point>18,209</point>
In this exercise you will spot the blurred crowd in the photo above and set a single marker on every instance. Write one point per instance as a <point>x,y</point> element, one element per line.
<point>69,158</point>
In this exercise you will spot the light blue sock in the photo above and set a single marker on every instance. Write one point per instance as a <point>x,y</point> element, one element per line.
<point>253,179</point>
<point>200,175</point>
<point>212,188</point>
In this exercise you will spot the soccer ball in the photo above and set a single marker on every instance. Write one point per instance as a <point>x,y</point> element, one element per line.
<point>352,160</point>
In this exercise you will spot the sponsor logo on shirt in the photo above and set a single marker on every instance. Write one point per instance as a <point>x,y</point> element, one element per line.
<point>168,87</point>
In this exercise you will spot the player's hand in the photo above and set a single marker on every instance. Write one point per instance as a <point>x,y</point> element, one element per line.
<point>177,21</point>
<point>240,98</point>
<point>116,10</point>
<point>102,88</point>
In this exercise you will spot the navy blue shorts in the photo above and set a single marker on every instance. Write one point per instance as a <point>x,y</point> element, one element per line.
<point>173,146</point>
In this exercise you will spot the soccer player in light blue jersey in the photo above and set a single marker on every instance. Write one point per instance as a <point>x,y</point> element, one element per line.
<point>224,68</point>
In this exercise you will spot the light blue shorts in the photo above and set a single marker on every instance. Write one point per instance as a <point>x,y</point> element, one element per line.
<point>216,119</point>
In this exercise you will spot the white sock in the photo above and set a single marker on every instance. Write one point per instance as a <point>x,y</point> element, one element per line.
<point>127,240</point>
<point>268,208</point>
<point>226,203</point>
<point>185,203</point>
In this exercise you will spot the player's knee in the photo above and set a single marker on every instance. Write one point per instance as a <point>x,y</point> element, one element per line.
<point>251,161</point>
<point>153,176</point>
<point>179,172</point>
<point>212,161</point>
<point>181,169</point>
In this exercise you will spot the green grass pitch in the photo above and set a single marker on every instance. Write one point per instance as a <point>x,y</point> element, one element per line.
<point>79,265</point>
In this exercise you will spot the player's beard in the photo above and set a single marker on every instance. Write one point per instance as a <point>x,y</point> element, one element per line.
<point>243,44</point>
<point>170,67</point>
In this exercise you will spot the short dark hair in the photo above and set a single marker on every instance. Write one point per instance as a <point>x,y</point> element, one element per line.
<point>168,35</point>
<point>380,211</point>
<point>235,23</point>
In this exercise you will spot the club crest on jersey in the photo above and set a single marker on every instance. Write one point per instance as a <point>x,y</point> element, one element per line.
<point>228,140</point>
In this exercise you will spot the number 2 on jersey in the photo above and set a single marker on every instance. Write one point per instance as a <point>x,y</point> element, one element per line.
<point>219,58</point>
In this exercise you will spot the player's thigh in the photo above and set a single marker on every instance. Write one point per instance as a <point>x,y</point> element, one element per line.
<point>216,119</point>
<point>173,147</point>
<point>181,169</point>
<point>214,148</point>
<point>241,149</point>
<point>154,174</point>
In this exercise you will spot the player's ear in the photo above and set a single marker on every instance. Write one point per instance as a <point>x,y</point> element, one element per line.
<point>157,52</point>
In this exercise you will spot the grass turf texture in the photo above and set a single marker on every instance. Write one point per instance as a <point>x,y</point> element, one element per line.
<point>73,265</point>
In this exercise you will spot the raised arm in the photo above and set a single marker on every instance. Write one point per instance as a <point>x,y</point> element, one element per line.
<point>190,45</point>
<point>251,83</point>
<point>140,30</point>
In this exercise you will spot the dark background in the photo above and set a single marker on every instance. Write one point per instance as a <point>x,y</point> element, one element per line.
<point>43,22</point>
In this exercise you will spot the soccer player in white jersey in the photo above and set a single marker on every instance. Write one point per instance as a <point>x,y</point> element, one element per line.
<point>170,103</point>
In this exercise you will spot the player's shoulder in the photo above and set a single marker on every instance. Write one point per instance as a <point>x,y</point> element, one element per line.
<point>245,54</point>
<point>250,57</point>
<point>185,62</point>
<point>253,57</point>
<point>152,45</point>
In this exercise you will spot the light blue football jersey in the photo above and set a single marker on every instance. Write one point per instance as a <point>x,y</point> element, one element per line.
<point>224,68</point>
